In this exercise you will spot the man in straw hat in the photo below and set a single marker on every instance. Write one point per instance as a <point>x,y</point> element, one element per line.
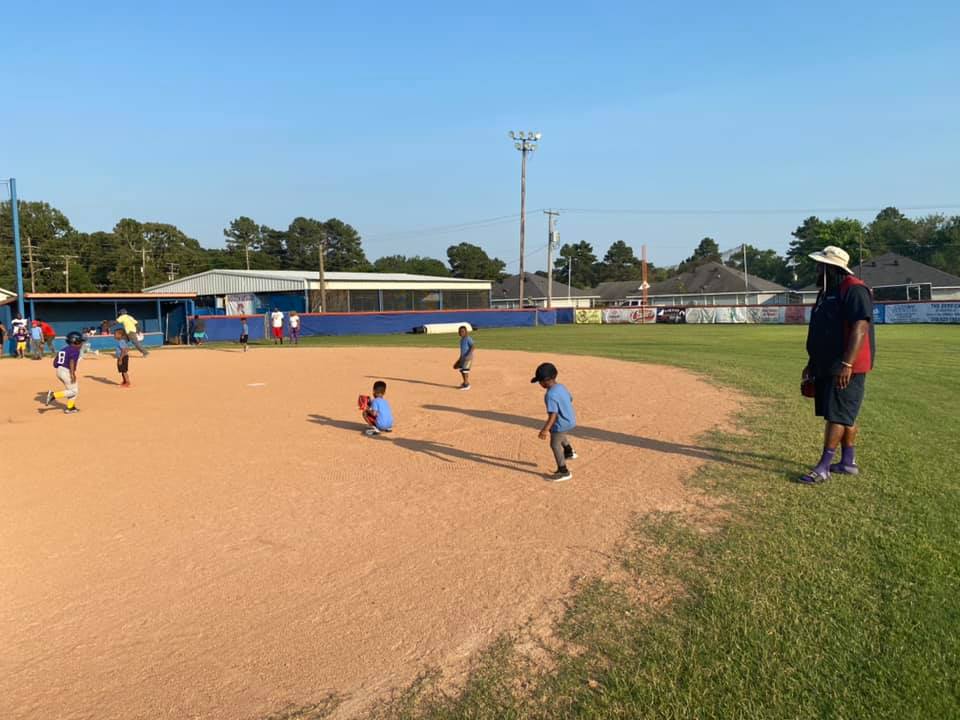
<point>841,348</point>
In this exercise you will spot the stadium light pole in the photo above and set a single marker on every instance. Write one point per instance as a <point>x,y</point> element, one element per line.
<point>17,259</point>
<point>525,143</point>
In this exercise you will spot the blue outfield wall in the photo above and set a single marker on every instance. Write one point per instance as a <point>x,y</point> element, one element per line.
<point>388,323</point>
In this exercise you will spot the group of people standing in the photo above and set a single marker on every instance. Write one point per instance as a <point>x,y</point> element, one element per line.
<point>293,326</point>
<point>29,336</point>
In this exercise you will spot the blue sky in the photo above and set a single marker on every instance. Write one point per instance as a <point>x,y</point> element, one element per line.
<point>394,116</point>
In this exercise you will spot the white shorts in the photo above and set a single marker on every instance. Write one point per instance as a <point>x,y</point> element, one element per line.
<point>70,386</point>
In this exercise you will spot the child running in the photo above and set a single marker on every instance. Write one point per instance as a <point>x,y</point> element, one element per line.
<point>561,419</point>
<point>376,411</point>
<point>244,333</point>
<point>465,362</point>
<point>123,357</point>
<point>65,363</point>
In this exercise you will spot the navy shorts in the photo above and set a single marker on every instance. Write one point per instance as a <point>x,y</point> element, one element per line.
<point>839,406</point>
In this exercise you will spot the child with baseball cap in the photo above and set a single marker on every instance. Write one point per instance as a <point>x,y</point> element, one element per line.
<point>561,418</point>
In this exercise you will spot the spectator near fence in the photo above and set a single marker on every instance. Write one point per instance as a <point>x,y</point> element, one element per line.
<point>294,322</point>
<point>276,324</point>
<point>49,335</point>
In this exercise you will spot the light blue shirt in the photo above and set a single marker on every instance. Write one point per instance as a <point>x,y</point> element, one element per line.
<point>466,346</point>
<point>384,413</point>
<point>559,401</point>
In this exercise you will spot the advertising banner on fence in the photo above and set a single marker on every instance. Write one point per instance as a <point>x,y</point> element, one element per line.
<point>796,315</point>
<point>241,304</point>
<point>906,313</point>
<point>589,317</point>
<point>629,316</point>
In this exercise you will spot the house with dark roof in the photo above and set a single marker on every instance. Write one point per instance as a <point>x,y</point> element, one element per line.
<point>711,283</point>
<point>894,277</point>
<point>506,293</point>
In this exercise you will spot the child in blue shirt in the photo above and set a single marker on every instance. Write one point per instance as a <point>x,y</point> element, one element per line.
<point>377,412</point>
<point>123,356</point>
<point>465,362</point>
<point>561,419</point>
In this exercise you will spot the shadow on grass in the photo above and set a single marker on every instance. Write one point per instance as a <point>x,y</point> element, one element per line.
<point>697,452</point>
<point>439,451</point>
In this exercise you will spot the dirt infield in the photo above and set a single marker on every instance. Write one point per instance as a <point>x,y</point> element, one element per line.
<point>220,541</point>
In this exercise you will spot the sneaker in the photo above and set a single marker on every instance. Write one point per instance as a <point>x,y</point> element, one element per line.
<point>814,477</point>
<point>561,474</point>
<point>370,432</point>
<point>842,469</point>
<point>49,399</point>
<point>71,411</point>
<point>464,387</point>
<point>572,455</point>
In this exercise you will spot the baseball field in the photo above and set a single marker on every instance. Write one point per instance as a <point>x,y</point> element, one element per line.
<point>221,541</point>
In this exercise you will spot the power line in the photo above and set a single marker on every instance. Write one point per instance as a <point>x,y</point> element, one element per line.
<point>750,211</point>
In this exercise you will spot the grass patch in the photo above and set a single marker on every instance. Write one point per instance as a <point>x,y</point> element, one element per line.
<point>839,601</point>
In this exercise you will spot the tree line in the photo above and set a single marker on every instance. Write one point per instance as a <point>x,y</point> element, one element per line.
<point>136,254</point>
<point>933,240</point>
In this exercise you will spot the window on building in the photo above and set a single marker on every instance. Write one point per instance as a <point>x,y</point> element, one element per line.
<point>465,299</point>
<point>397,300</point>
<point>364,301</point>
<point>426,299</point>
<point>337,300</point>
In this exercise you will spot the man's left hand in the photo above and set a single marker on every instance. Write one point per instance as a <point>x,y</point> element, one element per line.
<point>843,379</point>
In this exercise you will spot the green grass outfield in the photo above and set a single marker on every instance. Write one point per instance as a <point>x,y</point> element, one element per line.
<point>834,601</point>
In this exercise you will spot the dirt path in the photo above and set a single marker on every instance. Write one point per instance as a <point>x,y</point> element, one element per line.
<point>221,541</point>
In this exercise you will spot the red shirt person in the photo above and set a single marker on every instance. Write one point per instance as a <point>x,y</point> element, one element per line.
<point>49,335</point>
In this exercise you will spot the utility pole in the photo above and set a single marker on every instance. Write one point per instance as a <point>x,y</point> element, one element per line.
<point>569,278</point>
<point>321,251</point>
<point>525,143</point>
<point>17,257</point>
<point>246,252</point>
<point>552,238</point>
<point>66,270</point>
<point>33,279</point>
<point>645,286</point>
<point>172,270</point>
<point>143,267</point>
<point>746,279</point>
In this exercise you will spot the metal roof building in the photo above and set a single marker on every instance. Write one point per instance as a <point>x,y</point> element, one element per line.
<point>711,283</point>
<point>254,291</point>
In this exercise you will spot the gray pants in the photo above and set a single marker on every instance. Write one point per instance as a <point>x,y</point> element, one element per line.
<point>132,337</point>
<point>558,442</point>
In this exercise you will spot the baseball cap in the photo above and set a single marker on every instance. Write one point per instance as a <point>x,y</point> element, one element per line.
<point>545,371</point>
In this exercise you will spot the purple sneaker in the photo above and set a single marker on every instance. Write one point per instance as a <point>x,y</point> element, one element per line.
<point>814,477</point>
<point>842,469</point>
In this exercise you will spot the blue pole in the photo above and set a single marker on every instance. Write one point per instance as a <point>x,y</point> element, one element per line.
<point>18,260</point>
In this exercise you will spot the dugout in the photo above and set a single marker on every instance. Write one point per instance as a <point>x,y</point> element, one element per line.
<point>162,316</point>
<point>255,292</point>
